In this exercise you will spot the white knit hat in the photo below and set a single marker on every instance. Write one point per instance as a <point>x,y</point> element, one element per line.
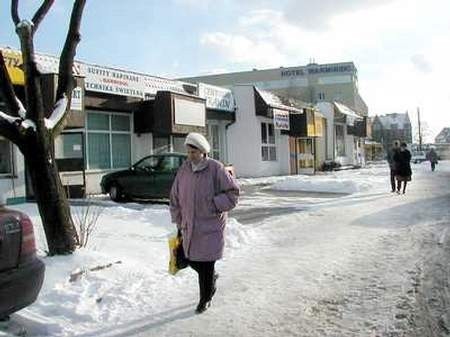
<point>199,141</point>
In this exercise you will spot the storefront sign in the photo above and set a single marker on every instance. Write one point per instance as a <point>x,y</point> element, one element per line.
<point>189,112</point>
<point>13,59</point>
<point>76,103</point>
<point>98,79</point>
<point>281,119</point>
<point>46,65</point>
<point>118,82</point>
<point>217,98</point>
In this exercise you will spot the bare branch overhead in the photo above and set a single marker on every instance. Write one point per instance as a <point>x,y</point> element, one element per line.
<point>7,88</point>
<point>66,81</point>
<point>65,78</point>
<point>15,11</point>
<point>40,13</point>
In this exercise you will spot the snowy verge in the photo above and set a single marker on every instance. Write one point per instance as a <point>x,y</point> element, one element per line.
<point>121,276</point>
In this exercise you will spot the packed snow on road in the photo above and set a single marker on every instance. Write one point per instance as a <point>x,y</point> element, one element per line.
<point>333,254</point>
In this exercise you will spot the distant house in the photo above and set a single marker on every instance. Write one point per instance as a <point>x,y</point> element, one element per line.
<point>443,136</point>
<point>388,128</point>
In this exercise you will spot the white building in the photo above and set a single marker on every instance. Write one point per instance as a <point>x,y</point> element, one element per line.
<point>345,134</point>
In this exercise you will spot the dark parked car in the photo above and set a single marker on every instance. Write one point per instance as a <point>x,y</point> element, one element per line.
<point>150,178</point>
<point>21,272</point>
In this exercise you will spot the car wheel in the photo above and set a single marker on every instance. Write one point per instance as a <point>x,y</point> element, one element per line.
<point>115,193</point>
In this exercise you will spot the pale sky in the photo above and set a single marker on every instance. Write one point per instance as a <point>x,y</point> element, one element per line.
<point>400,47</point>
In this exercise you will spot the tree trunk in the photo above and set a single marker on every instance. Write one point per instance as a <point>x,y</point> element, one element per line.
<point>50,196</point>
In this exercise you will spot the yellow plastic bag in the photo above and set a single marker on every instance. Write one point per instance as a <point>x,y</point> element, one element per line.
<point>174,243</point>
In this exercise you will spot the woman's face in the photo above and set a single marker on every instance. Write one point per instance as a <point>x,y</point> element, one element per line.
<point>193,154</point>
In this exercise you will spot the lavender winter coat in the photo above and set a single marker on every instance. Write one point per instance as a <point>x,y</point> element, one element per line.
<point>199,202</point>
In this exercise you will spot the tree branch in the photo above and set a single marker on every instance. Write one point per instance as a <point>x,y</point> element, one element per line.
<point>15,12</point>
<point>7,88</point>
<point>9,129</point>
<point>40,13</point>
<point>33,90</point>
<point>65,77</point>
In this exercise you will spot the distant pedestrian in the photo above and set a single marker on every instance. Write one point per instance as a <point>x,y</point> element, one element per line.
<point>403,171</point>
<point>432,157</point>
<point>202,194</point>
<point>392,165</point>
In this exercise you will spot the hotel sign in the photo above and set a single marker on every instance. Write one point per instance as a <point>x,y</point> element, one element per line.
<point>319,69</point>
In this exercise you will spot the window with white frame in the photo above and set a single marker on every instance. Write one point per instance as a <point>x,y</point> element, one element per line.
<point>213,137</point>
<point>108,140</point>
<point>268,147</point>
<point>6,166</point>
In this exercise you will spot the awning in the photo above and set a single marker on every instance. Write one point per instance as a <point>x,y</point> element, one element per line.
<point>350,115</point>
<point>46,65</point>
<point>275,102</point>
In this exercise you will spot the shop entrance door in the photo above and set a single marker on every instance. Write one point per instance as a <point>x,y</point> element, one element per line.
<point>69,156</point>
<point>301,155</point>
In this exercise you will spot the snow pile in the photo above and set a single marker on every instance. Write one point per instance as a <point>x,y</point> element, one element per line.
<point>260,181</point>
<point>324,184</point>
<point>236,234</point>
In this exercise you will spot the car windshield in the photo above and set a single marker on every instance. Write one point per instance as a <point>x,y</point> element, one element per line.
<point>148,163</point>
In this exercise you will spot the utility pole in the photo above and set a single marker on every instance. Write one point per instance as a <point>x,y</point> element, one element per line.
<point>420,131</point>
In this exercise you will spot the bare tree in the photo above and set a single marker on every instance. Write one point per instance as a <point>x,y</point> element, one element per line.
<point>33,129</point>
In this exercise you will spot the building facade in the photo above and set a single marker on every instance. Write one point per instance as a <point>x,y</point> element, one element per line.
<point>116,118</point>
<point>312,83</point>
<point>391,127</point>
<point>443,136</point>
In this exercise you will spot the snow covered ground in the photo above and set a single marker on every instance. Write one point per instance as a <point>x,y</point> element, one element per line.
<point>344,258</point>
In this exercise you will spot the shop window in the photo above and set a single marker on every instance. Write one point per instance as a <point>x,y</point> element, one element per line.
<point>69,145</point>
<point>121,145</point>
<point>108,140</point>
<point>5,157</point>
<point>161,144</point>
<point>214,140</point>
<point>178,144</point>
<point>268,147</point>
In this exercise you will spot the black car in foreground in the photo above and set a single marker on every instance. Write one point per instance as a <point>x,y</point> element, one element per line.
<point>150,178</point>
<point>21,271</point>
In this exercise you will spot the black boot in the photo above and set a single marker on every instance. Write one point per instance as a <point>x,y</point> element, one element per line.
<point>202,306</point>
<point>214,288</point>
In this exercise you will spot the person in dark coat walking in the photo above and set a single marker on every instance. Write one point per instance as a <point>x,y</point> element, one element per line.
<point>392,165</point>
<point>432,157</point>
<point>403,171</point>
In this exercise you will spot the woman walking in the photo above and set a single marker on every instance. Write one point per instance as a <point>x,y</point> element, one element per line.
<point>403,167</point>
<point>202,194</point>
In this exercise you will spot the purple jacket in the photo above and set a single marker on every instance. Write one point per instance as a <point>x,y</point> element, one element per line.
<point>199,202</point>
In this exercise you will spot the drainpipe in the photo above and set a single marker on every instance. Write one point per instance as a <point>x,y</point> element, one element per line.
<point>226,133</point>
<point>13,170</point>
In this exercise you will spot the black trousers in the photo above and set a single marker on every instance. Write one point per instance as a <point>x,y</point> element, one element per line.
<point>433,165</point>
<point>393,180</point>
<point>205,271</point>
